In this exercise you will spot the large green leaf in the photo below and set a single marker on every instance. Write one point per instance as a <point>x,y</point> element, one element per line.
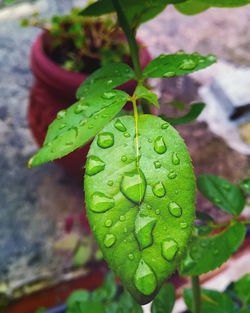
<point>192,7</point>
<point>105,79</point>
<point>218,302</point>
<point>206,254</point>
<point>242,289</point>
<point>78,124</point>
<point>140,193</point>
<point>177,64</point>
<point>222,193</point>
<point>164,301</point>
<point>194,112</point>
<point>225,3</point>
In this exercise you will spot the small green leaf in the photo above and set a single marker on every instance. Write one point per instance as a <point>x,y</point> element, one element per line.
<point>105,79</point>
<point>192,7</point>
<point>226,3</point>
<point>91,307</point>
<point>107,291</point>
<point>195,111</point>
<point>177,64</point>
<point>203,216</point>
<point>221,303</point>
<point>242,289</point>
<point>177,104</point>
<point>77,125</point>
<point>76,298</point>
<point>245,185</point>
<point>128,304</point>
<point>206,254</point>
<point>83,253</point>
<point>164,301</point>
<point>222,193</point>
<point>141,206</point>
<point>144,93</point>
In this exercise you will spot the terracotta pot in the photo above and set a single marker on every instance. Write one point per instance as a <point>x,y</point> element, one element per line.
<point>53,90</point>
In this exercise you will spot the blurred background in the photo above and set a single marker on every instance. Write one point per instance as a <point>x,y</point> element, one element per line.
<point>44,235</point>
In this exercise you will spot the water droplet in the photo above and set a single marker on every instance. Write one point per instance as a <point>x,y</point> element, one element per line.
<point>183,225</point>
<point>175,159</point>
<point>169,74</point>
<point>211,58</point>
<point>188,263</point>
<point>131,256</point>
<point>62,126</point>
<point>216,252</point>
<point>157,211</point>
<point>94,165</point>
<point>110,183</point>
<point>150,140</point>
<point>133,185</point>
<point>108,223</point>
<point>108,95</point>
<point>125,230</point>
<point>61,114</point>
<point>175,209</point>
<point>149,207</point>
<point>176,192</point>
<point>217,201</point>
<point>144,226</point>
<point>99,202</point>
<point>104,115</point>
<point>90,126</point>
<point>169,248</point>
<point>109,81</point>
<point>159,190</point>
<point>124,158</point>
<point>83,123</point>
<point>145,279</point>
<point>172,175</point>
<point>157,164</point>
<point>109,240</point>
<point>122,218</point>
<point>227,187</point>
<point>159,145</point>
<point>164,126</point>
<point>187,64</point>
<point>120,126</point>
<point>204,244</point>
<point>105,140</point>
<point>80,107</point>
<point>126,134</point>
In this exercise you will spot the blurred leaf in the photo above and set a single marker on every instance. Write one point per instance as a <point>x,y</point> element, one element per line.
<point>144,93</point>
<point>221,303</point>
<point>164,301</point>
<point>177,104</point>
<point>67,243</point>
<point>222,193</point>
<point>245,185</point>
<point>192,7</point>
<point>108,289</point>
<point>41,310</point>
<point>204,216</point>
<point>91,307</point>
<point>242,289</point>
<point>76,298</point>
<point>226,3</point>
<point>83,253</point>
<point>206,254</point>
<point>195,111</point>
<point>177,64</point>
<point>128,304</point>
<point>203,230</point>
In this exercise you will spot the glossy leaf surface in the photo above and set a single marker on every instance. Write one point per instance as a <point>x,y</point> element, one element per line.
<point>222,193</point>
<point>245,185</point>
<point>144,93</point>
<point>140,204</point>
<point>78,124</point>
<point>177,64</point>
<point>206,254</point>
<point>192,7</point>
<point>164,301</point>
<point>226,3</point>
<point>195,111</point>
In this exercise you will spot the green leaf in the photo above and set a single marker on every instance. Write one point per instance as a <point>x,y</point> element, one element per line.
<point>144,93</point>
<point>76,298</point>
<point>245,185</point>
<point>128,304</point>
<point>242,289</point>
<point>177,64</point>
<point>195,111</point>
<point>91,307</point>
<point>164,301</point>
<point>140,207</point>
<point>203,230</point>
<point>222,193</point>
<point>177,104</point>
<point>105,79</point>
<point>203,216</point>
<point>107,291</point>
<point>192,7</point>
<point>206,254</point>
<point>83,253</point>
<point>225,3</point>
<point>221,303</point>
<point>77,125</point>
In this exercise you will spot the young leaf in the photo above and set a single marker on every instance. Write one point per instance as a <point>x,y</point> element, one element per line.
<point>195,111</point>
<point>140,202</point>
<point>222,193</point>
<point>164,301</point>
<point>242,289</point>
<point>192,7</point>
<point>144,93</point>
<point>218,302</point>
<point>78,124</point>
<point>226,3</point>
<point>105,79</point>
<point>206,254</point>
<point>76,298</point>
<point>245,185</point>
<point>177,64</point>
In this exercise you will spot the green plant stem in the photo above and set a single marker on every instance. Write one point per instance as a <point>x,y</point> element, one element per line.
<point>196,289</point>
<point>223,225</point>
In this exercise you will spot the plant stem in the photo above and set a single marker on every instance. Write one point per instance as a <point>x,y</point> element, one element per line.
<point>196,294</point>
<point>130,34</point>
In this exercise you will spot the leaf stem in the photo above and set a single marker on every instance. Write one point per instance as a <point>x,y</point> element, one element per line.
<point>223,225</point>
<point>196,289</point>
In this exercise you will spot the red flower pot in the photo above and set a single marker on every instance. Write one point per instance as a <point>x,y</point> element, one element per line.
<point>53,90</point>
